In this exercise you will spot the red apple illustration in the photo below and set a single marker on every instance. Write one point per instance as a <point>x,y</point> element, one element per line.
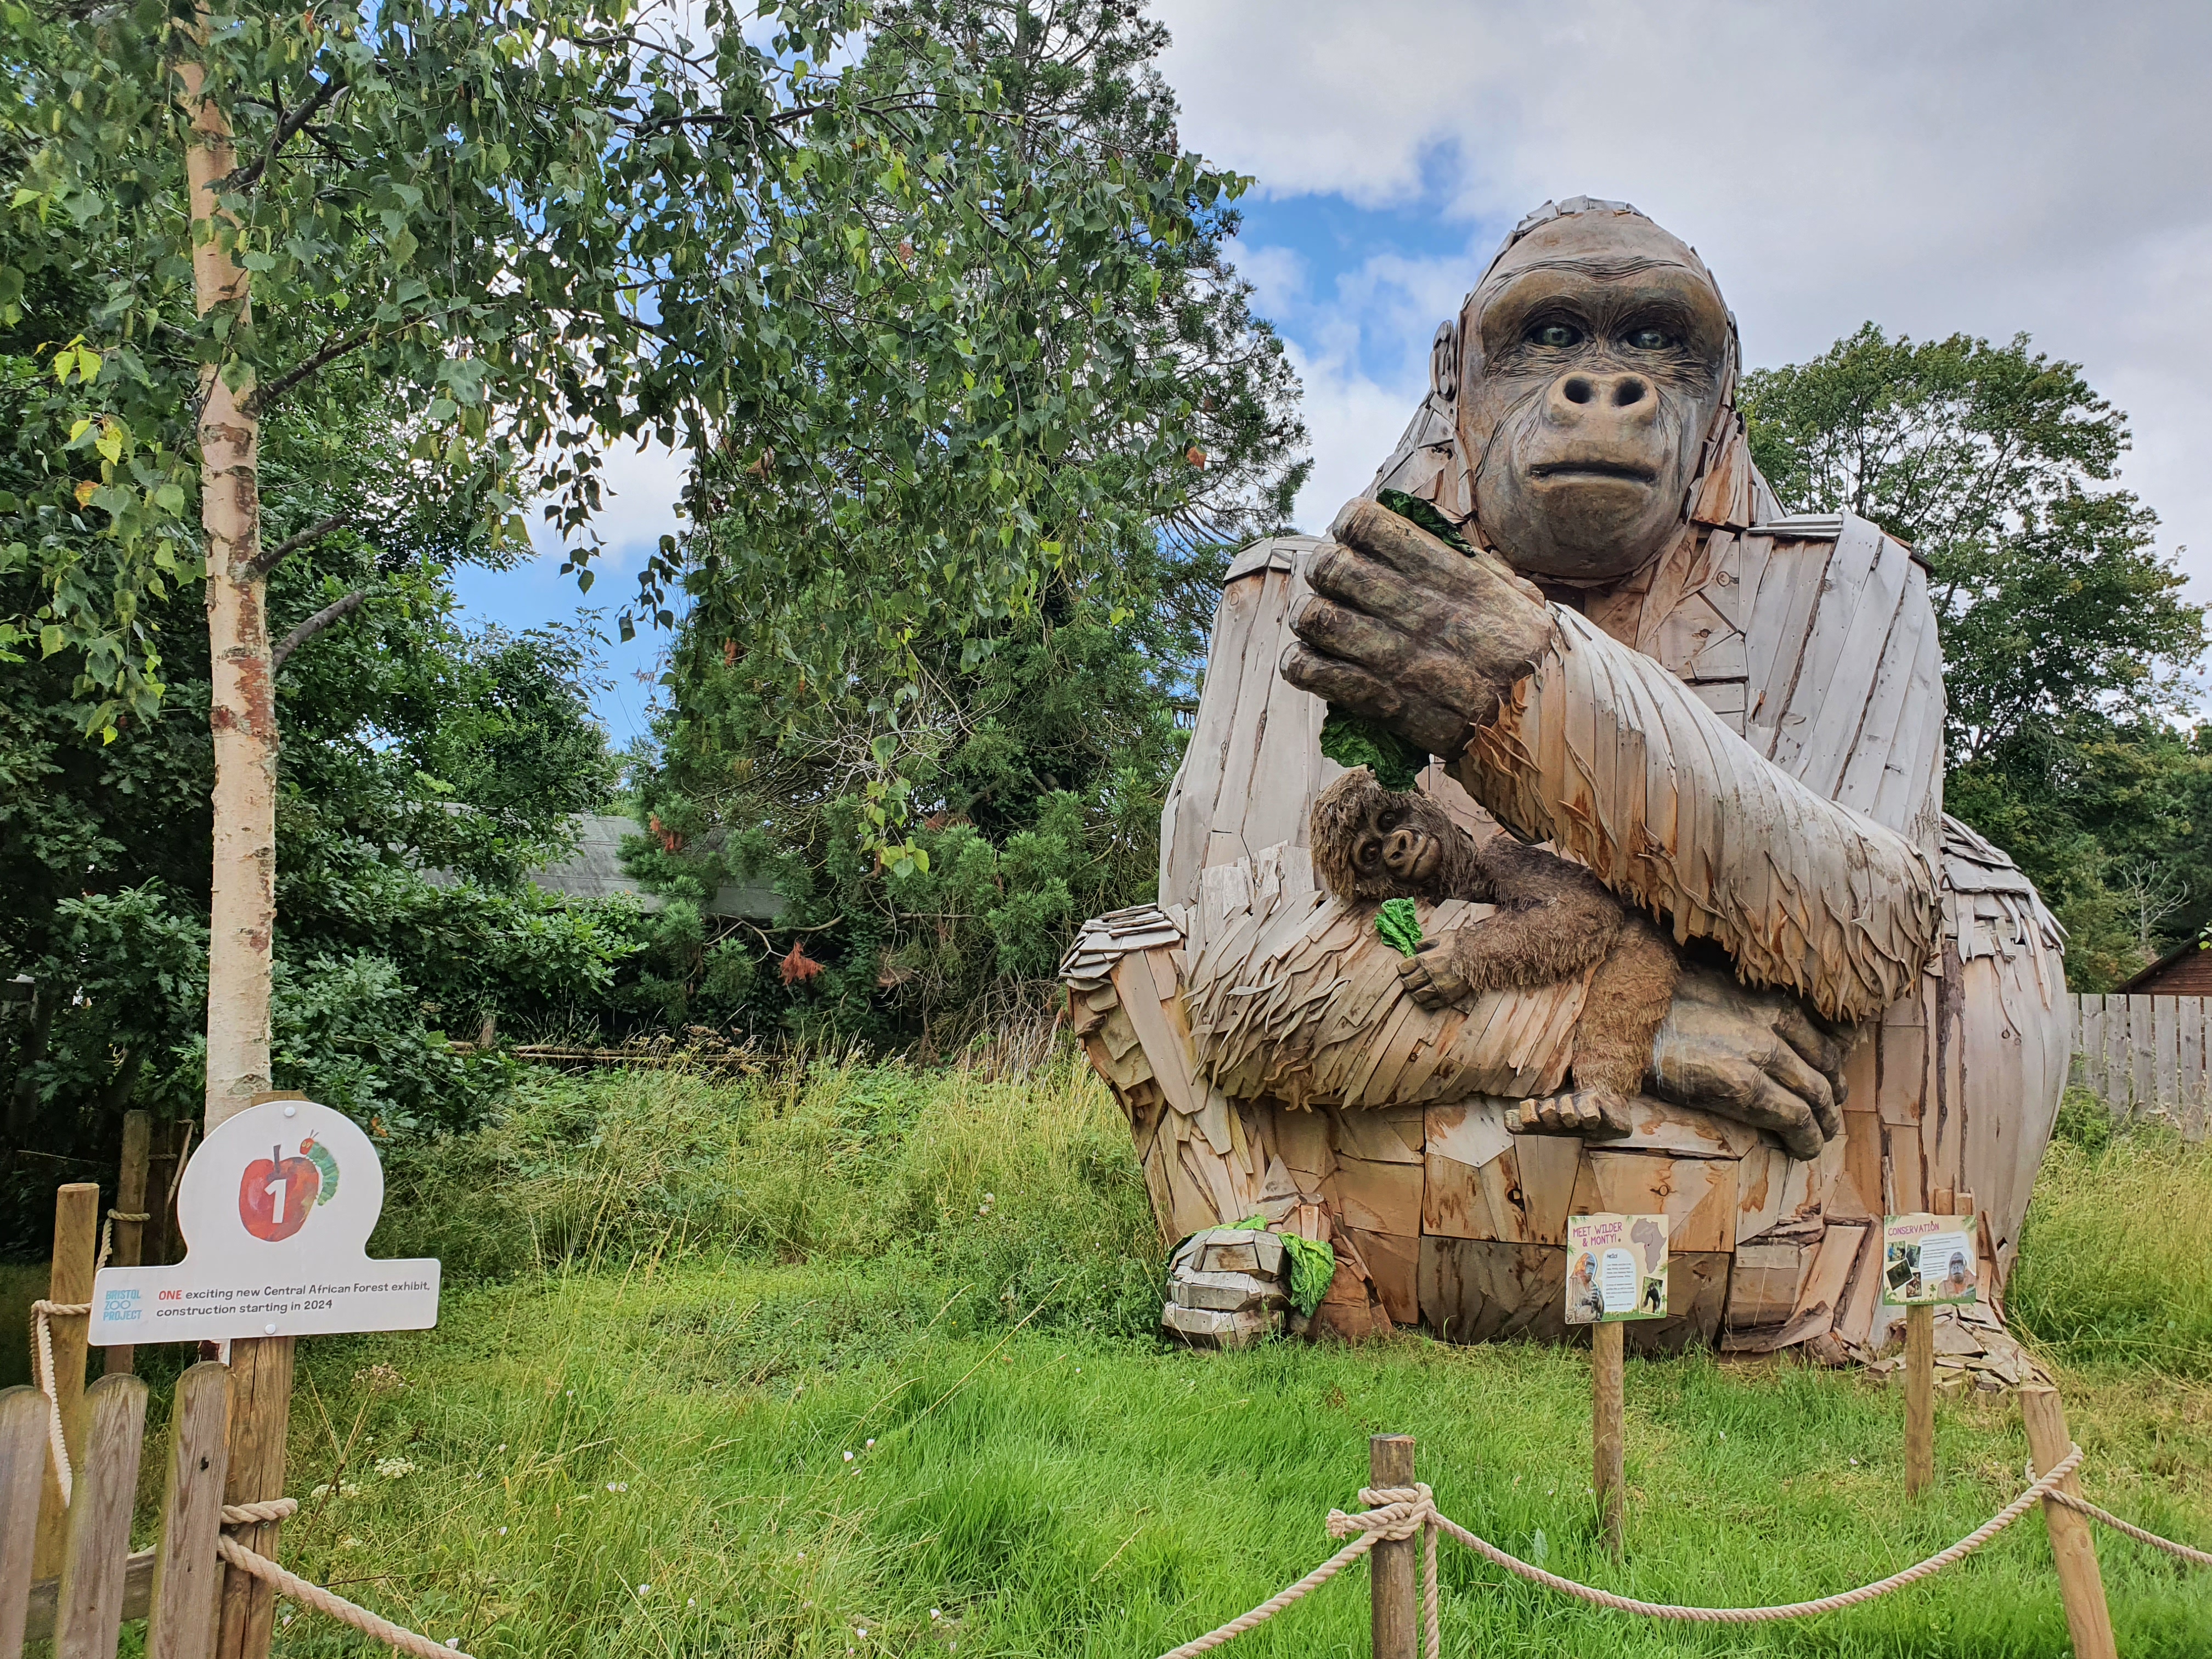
<point>275,1193</point>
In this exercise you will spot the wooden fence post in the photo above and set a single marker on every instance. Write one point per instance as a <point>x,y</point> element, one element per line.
<point>1397,1619</point>
<point>2080,1585</point>
<point>187,1575</point>
<point>22,1462</point>
<point>89,1610</point>
<point>261,1396</point>
<point>77,1235</point>
<point>1608,1435</point>
<point>130,1200</point>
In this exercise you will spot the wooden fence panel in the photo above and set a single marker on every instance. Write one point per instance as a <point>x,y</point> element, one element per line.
<point>2147,1056</point>
<point>2191,1095</point>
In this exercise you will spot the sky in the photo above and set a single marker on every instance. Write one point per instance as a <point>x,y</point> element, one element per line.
<point>1954,166</point>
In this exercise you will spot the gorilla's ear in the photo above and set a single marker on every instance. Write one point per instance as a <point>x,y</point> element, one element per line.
<point>1443,362</point>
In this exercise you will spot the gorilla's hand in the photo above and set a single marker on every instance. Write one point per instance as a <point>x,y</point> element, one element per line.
<point>1755,1057</point>
<point>1406,633</point>
<point>1437,976</point>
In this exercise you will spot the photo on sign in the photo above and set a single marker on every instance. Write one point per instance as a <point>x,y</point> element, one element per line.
<point>1929,1259</point>
<point>1616,1268</point>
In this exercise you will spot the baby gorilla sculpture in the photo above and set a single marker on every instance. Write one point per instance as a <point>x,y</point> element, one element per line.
<point>1553,921</point>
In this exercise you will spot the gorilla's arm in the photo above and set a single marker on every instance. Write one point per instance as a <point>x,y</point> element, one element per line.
<point>1523,700</point>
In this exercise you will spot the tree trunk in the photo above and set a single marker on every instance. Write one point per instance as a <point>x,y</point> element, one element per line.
<point>242,709</point>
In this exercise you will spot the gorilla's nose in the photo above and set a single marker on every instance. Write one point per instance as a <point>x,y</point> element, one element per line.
<point>1584,398</point>
<point>1400,848</point>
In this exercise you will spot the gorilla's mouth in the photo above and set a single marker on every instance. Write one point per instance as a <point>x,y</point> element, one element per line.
<point>1629,471</point>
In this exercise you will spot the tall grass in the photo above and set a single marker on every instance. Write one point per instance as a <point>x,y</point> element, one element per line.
<point>2116,1259</point>
<point>1021,1186</point>
<point>850,1359</point>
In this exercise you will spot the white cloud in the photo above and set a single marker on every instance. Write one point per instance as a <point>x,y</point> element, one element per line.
<point>1978,166</point>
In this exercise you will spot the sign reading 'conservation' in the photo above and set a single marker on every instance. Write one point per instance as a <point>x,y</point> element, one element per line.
<point>276,1208</point>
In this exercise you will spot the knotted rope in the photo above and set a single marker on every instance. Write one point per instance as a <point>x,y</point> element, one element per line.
<point>42,1351</point>
<point>1398,1512</point>
<point>314,1595</point>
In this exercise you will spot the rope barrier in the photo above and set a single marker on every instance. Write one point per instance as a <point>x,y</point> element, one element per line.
<point>2083,1506</point>
<point>314,1595</point>
<point>42,1351</point>
<point>1399,1513</point>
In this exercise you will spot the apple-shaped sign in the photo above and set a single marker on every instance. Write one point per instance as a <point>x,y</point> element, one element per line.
<point>275,1193</point>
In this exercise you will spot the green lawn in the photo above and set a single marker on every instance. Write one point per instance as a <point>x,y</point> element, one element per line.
<point>644,1428</point>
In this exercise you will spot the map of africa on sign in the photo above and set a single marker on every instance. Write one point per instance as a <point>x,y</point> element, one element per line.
<point>275,1209</point>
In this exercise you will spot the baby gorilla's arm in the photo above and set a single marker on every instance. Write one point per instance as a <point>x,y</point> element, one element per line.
<point>1555,919</point>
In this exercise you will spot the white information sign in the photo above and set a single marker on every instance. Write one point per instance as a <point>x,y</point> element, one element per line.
<point>275,1209</point>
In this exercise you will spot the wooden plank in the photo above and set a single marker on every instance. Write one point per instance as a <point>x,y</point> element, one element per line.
<point>1764,1284</point>
<point>186,1574</point>
<point>2114,1060</point>
<point>1378,1198</point>
<point>1484,1290</point>
<point>88,1611</point>
<point>2191,1084</point>
<point>1696,1195</point>
<point>2089,1042</point>
<point>137,1595</point>
<point>22,1467</point>
<point>2141,1058</point>
<point>2166,1035</point>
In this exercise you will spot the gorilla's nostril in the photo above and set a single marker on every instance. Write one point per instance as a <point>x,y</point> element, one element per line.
<point>1578,391</point>
<point>1629,390</point>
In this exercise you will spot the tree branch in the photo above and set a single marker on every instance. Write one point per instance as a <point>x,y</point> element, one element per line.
<point>286,127</point>
<point>268,391</point>
<point>266,562</point>
<point>337,610</point>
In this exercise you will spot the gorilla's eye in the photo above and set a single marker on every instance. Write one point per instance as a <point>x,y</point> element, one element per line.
<point>1386,822</point>
<point>1558,335</point>
<point>1367,852</point>
<point>1650,339</point>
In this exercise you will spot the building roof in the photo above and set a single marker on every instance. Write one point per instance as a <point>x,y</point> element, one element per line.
<point>2187,954</point>
<point>594,871</point>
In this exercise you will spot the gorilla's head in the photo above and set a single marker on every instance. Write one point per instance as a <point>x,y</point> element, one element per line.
<point>1592,359</point>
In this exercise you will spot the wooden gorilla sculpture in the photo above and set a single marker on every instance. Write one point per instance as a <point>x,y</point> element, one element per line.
<point>1730,713</point>
<point>1554,921</point>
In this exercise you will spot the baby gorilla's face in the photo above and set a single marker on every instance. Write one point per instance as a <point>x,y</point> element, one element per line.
<point>1393,846</point>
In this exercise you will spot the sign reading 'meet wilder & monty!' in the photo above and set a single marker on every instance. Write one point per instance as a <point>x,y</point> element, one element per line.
<point>276,1208</point>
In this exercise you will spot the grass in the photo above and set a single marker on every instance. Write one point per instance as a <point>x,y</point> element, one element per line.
<point>678,1314</point>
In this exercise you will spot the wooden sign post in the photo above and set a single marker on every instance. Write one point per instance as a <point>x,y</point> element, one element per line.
<point>1608,1439</point>
<point>1927,1259</point>
<point>1616,1271</point>
<point>1919,1398</point>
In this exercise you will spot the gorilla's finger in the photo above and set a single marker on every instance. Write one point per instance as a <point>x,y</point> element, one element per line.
<point>1783,1064</point>
<point>1367,583</point>
<point>1352,636</point>
<point>1373,528</point>
<point>1429,944</point>
<point>1339,681</point>
<point>1439,730</point>
<point>1773,1107</point>
<point>1822,1050</point>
